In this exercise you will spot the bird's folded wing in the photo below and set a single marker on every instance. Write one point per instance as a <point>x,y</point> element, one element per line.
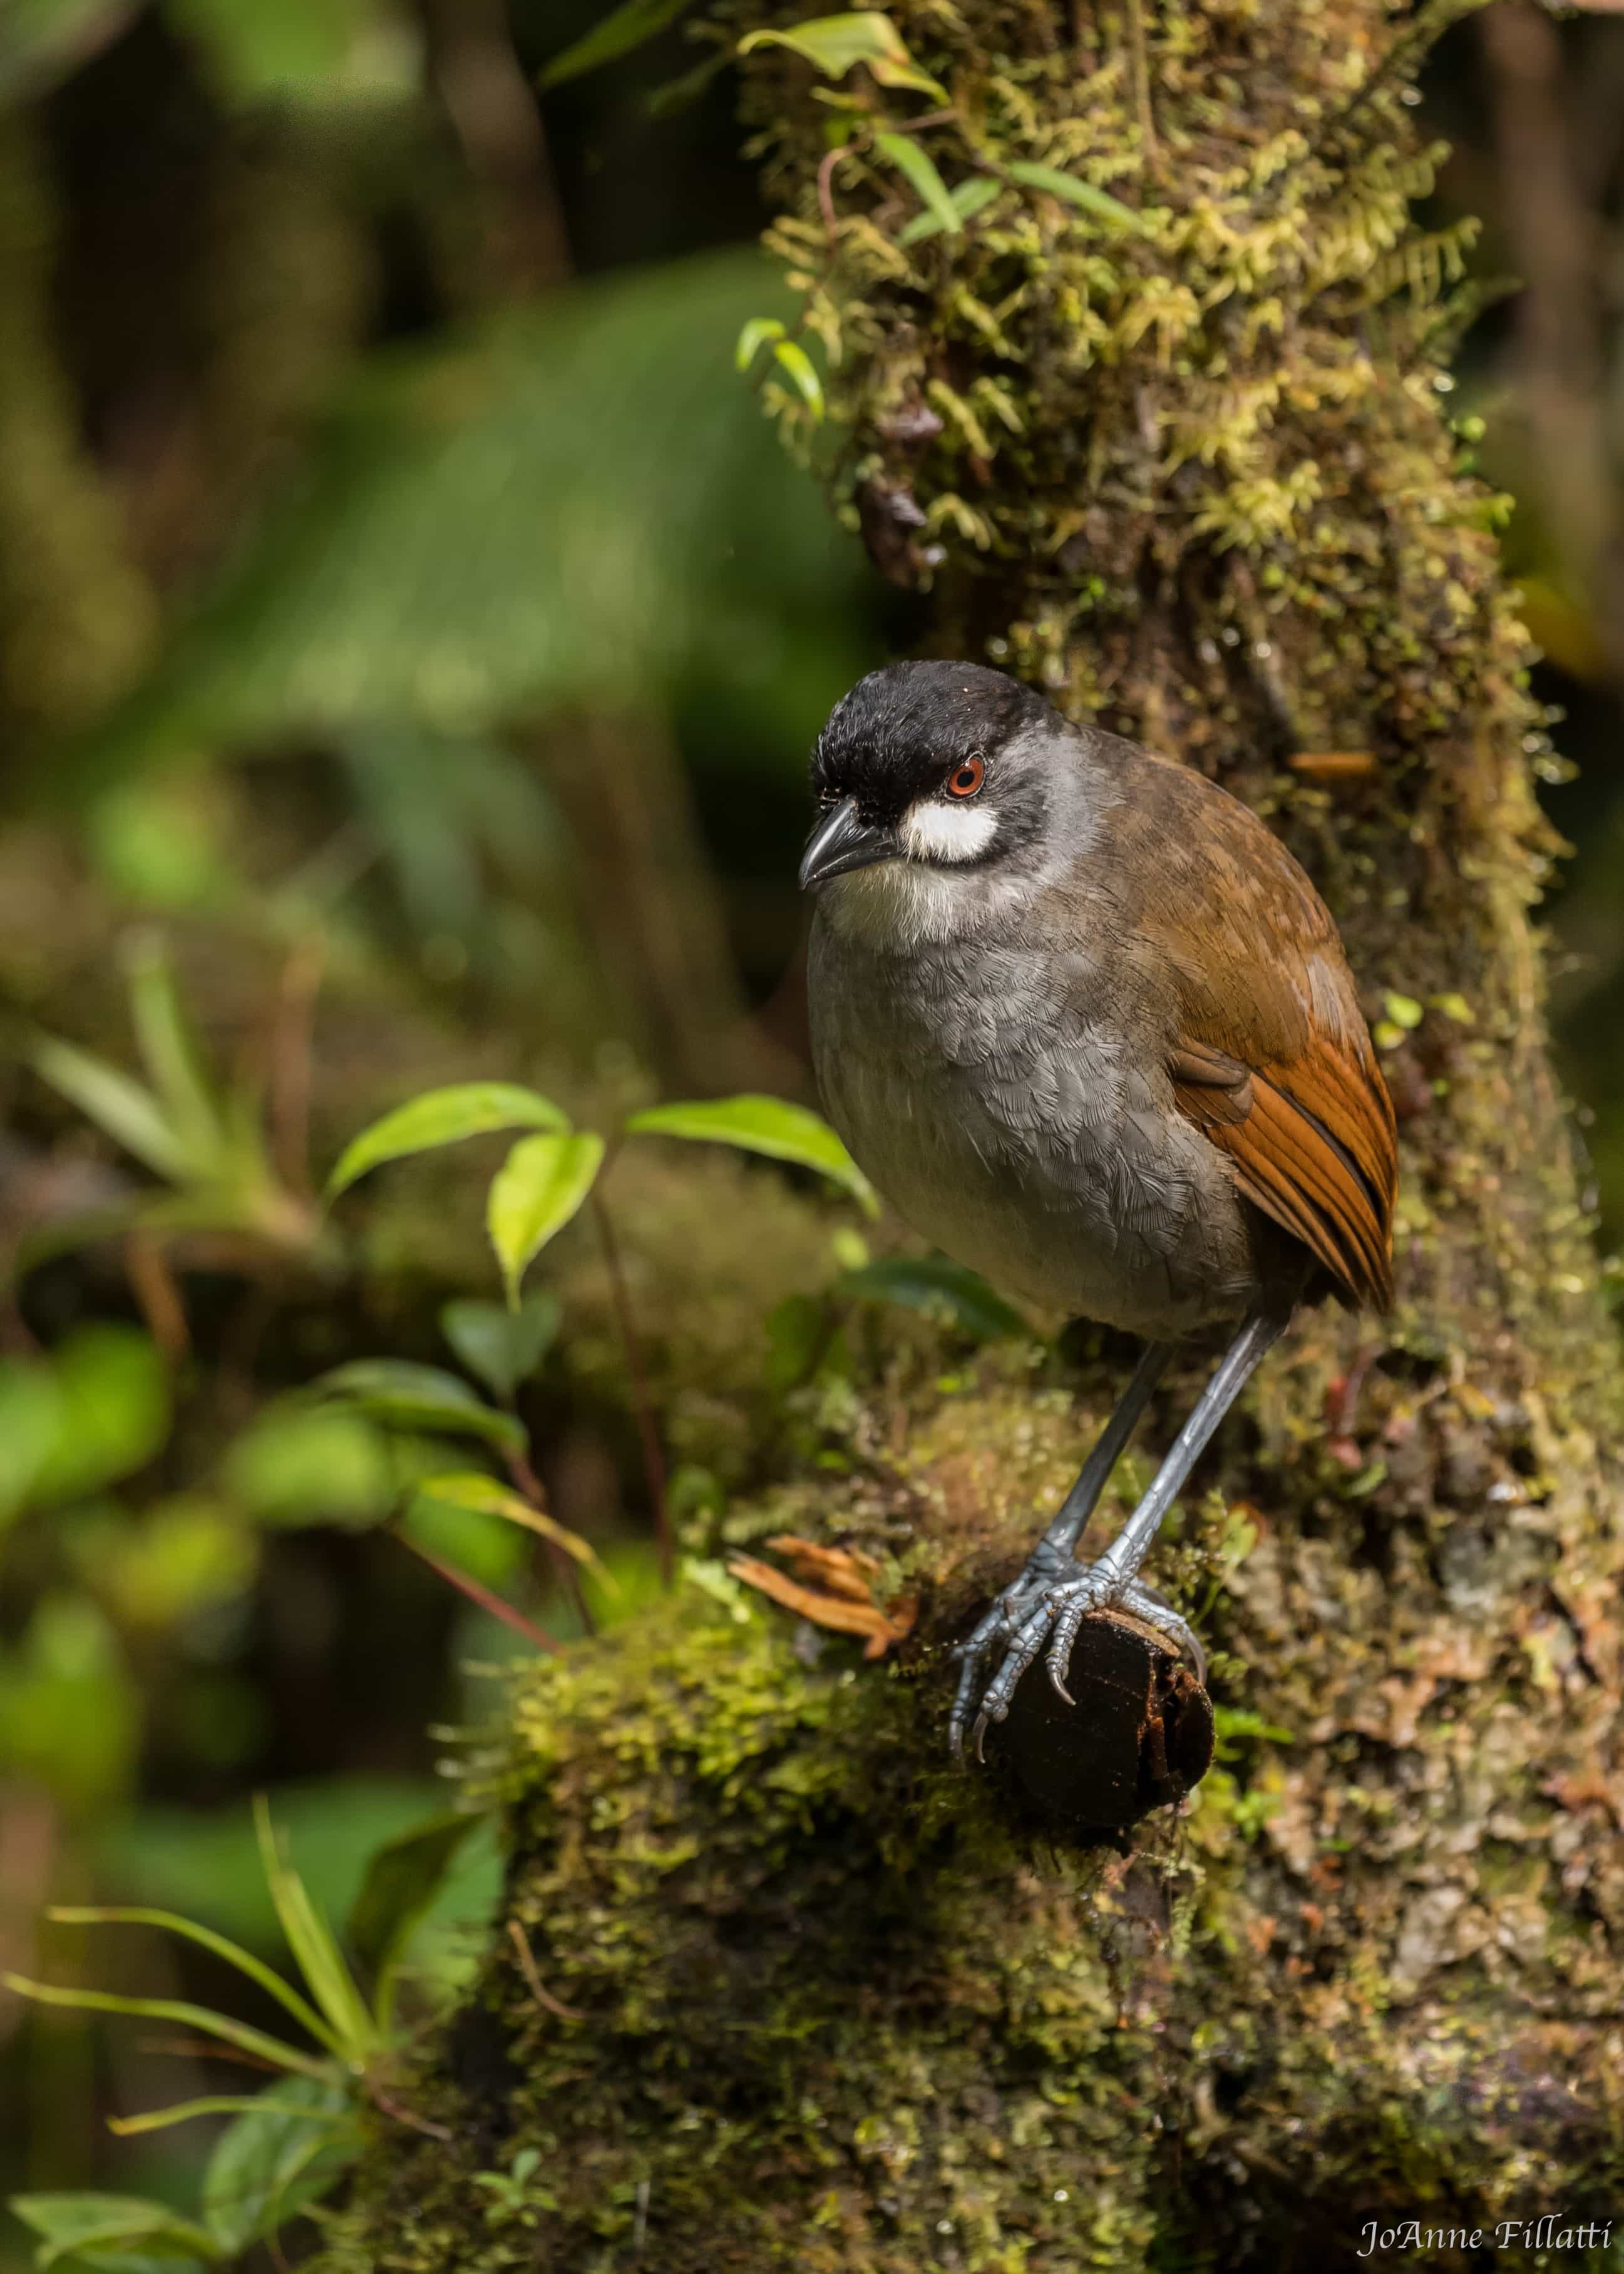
<point>1268,1051</point>
<point>1310,1141</point>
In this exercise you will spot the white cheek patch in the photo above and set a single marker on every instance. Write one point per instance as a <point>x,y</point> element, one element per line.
<point>931,831</point>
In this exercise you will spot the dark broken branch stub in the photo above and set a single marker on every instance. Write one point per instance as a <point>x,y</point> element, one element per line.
<point>1139,1737</point>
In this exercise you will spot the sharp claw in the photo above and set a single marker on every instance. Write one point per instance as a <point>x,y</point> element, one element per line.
<point>980,1738</point>
<point>1057,1684</point>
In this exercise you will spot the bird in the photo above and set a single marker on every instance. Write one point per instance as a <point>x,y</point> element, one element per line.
<point>1086,1023</point>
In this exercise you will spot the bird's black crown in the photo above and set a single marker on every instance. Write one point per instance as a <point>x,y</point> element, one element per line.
<point>903,728</point>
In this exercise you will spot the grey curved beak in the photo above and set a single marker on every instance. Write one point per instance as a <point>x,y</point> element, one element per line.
<point>842,841</point>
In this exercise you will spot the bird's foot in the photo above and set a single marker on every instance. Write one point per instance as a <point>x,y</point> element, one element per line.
<point>1048,1603</point>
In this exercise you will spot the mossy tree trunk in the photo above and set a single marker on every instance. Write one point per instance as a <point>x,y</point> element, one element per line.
<point>828,2008</point>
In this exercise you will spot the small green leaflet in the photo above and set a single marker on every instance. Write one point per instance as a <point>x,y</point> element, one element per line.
<point>834,44</point>
<point>503,1347</point>
<point>969,199</point>
<point>410,1397</point>
<point>798,364</point>
<point>533,1195</point>
<point>753,338</point>
<point>919,169</point>
<point>620,30</point>
<point>441,1116</point>
<point>1083,195</point>
<point>760,1125</point>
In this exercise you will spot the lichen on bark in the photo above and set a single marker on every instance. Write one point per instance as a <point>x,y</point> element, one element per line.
<point>829,2005</point>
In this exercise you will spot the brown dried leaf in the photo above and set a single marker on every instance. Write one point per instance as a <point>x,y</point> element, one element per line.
<point>844,1604</point>
<point>1332,765</point>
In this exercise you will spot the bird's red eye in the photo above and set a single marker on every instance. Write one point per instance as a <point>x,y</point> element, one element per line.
<point>965,780</point>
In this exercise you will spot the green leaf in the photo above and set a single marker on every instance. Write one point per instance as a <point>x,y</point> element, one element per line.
<point>298,1465</point>
<point>182,2112</point>
<point>533,1195</point>
<point>486,1498</point>
<point>73,2225</point>
<point>760,1125</point>
<point>292,50</point>
<point>919,169</point>
<point>31,1410</point>
<point>284,2152</point>
<point>480,1547</point>
<point>114,1390</point>
<point>315,1948</point>
<point>803,374</point>
<point>233,1954</point>
<point>503,1347</point>
<point>797,1334</point>
<point>968,200</point>
<point>411,1396</point>
<point>563,503</point>
<point>402,1879</point>
<point>1083,195</point>
<point>834,44</point>
<point>624,28</point>
<point>935,1283</point>
<point>239,2034</point>
<point>753,337</point>
<point>442,1117</point>
<point>130,1114</point>
<point>170,1054</point>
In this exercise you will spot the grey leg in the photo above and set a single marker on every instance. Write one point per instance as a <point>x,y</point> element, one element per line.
<point>1055,1616</point>
<point>1079,1504</point>
<point>1052,1560</point>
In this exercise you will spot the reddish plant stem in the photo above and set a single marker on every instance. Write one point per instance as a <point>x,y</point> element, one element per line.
<point>566,1571</point>
<point>483,1596</point>
<point>647,1429</point>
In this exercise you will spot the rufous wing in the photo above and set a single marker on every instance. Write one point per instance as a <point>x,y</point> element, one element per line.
<point>1311,1144</point>
<point>1268,1054</point>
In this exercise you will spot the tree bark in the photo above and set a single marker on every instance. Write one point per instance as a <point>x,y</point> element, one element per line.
<point>1197,477</point>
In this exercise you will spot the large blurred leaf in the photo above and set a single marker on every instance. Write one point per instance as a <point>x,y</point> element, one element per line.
<point>580,500</point>
<point>296,1464</point>
<point>410,1397</point>
<point>271,2160</point>
<point>308,49</point>
<point>73,2226</point>
<point>404,1877</point>
<point>30,1422</point>
<point>114,1414</point>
